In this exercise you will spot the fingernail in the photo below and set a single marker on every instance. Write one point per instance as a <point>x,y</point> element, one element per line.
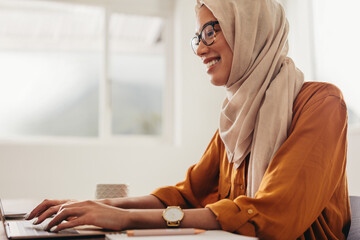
<point>53,229</point>
<point>27,216</point>
<point>35,221</point>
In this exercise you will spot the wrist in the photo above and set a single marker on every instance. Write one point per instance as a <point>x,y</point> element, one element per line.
<point>173,216</point>
<point>106,201</point>
<point>134,219</point>
<point>128,218</point>
<point>145,218</point>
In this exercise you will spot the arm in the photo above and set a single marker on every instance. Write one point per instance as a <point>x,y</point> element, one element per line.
<point>107,217</point>
<point>202,218</point>
<point>50,207</point>
<point>143,202</point>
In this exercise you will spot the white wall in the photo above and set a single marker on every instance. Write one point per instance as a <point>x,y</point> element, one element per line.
<point>71,169</point>
<point>300,35</point>
<point>353,161</point>
<point>300,15</point>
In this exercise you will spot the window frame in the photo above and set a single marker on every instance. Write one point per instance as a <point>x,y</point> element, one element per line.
<point>156,8</point>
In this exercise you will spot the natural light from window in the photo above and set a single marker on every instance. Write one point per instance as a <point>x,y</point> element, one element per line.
<point>338,49</point>
<point>52,68</point>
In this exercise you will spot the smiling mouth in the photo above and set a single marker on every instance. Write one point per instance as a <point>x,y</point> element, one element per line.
<point>212,63</point>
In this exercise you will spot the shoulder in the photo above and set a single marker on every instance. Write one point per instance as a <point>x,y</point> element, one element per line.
<point>319,105</point>
<point>321,102</point>
<point>314,93</point>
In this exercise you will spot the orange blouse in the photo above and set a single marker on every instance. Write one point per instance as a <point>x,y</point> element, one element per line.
<point>303,194</point>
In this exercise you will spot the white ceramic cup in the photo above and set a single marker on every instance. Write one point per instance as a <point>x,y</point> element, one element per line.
<point>111,191</point>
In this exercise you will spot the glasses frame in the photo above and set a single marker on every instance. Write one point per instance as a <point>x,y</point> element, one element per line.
<point>199,36</point>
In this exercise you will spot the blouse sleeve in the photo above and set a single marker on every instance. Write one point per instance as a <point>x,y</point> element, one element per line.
<point>300,179</point>
<point>192,192</point>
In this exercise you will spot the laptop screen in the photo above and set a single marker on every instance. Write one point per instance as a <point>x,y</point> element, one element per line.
<point>2,212</point>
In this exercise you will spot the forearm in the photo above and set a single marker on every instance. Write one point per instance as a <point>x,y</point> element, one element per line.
<point>202,218</point>
<point>143,202</point>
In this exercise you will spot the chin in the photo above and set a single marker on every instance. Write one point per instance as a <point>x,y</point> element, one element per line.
<point>218,82</point>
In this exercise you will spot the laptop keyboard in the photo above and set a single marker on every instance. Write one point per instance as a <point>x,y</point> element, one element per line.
<point>26,228</point>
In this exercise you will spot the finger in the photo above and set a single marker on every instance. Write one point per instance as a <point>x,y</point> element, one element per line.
<point>43,206</point>
<point>64,214</point>
<point>46,214</point>
<point>69,224</point>
<point>70,218</point>
<point>68,205</point>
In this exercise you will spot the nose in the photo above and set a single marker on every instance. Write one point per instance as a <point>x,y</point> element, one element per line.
<point>202,49</point>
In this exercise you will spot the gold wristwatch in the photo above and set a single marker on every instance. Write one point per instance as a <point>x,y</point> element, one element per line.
<point>173,216</point>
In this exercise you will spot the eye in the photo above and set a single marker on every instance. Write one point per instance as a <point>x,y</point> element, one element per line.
<point>208,32</point>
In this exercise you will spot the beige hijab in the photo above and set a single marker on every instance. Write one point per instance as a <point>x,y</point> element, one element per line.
<point>262,85</point>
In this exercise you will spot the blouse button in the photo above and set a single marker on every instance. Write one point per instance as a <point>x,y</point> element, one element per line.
<point>242,187</point>
<point>250,211</point>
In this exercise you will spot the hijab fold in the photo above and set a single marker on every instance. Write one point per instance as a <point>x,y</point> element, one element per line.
<point>262,86</point>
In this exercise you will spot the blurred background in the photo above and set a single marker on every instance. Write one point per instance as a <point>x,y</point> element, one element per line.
<point>109,91</point>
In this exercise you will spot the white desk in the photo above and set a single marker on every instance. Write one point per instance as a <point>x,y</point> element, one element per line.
<point>213,234</point>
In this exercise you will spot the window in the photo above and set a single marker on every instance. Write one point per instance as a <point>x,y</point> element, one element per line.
<point>82,69</point>
<point>137,73</point>
<point>337,49</point>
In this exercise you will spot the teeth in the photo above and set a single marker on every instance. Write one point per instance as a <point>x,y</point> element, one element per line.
<point>209,64</point>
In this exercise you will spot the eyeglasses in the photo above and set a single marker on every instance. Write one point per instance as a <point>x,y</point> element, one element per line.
<point>207,36</point>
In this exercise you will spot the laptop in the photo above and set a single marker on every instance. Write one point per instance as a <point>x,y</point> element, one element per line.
<point>22,229</point>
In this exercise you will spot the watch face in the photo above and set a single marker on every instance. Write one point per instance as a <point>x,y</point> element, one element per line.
<point>173,214</point>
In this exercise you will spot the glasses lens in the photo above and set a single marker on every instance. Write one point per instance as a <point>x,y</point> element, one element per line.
<point>207,35</point>
<point>195,44</point>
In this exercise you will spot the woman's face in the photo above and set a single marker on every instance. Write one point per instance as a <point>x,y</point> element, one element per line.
<point>218,56</point>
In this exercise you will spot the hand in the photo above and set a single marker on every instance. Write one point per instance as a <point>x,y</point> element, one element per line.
<point>46,209</point>
<point>89,213</point>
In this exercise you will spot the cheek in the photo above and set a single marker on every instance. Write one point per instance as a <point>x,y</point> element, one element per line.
<point>227,55</point>
<point>228,62</point>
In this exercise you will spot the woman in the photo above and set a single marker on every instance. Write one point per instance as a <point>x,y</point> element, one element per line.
<point>275,169</point>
